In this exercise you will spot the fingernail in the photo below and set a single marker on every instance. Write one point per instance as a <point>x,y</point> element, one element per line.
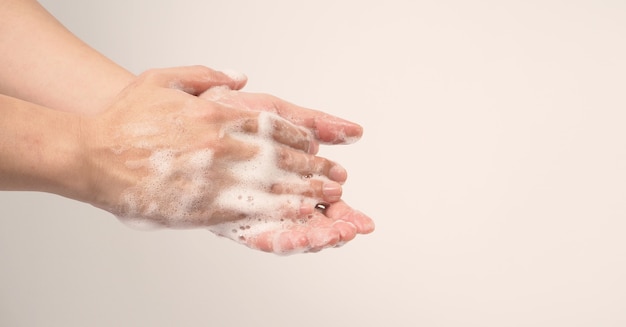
<point>332,191</point>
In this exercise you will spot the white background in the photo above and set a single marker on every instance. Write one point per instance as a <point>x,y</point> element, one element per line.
<point>493,162</point>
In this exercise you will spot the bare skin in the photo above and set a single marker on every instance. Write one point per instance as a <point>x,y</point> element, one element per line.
<point>44,63</point>
<point>76,124</point>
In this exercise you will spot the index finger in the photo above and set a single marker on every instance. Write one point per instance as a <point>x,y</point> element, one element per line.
<point>327,128</point>
<point>193,79</point>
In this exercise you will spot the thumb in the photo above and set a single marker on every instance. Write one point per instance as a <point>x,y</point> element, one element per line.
<point>194,79</point>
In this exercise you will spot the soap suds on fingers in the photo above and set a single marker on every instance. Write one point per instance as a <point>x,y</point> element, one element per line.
<point>192,187</point>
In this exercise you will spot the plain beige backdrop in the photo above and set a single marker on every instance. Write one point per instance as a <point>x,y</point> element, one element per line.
<point>493,162</point>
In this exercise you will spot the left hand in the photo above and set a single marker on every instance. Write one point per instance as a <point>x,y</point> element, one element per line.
<point>335,224</point>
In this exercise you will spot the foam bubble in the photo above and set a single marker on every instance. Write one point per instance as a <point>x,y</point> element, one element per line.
<point>235,75</point>
<point>192,188</point>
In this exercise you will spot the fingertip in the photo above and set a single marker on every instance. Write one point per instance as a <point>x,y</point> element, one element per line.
<point>289,242</point>
<point>323,237</point>
<point>366,224</point>
<point>347,230</point>
<point>337,173</point>
<point>352,132</point>
<point>358,132</point>
<point>238,79</point>
<point>195,79</point>
<point>333,130</point>
<point>363,223</point>
<point>263,242</point>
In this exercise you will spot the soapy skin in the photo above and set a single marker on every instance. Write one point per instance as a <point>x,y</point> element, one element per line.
<point>268,230</point>
<point>327,129</point>
<point>215,162</point>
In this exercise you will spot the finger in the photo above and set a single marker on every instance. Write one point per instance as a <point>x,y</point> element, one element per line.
<point>291,135</point>
<point>290,241</point>
<point>322,232</point>
<point>322,237</point>
<point>309,165</point>
<point>340,211</point>
<point>326,191</point>
<point>238,77</point>
<point>233,149</point>
<point>327,128</point>
<point>192,79</point>
<point>263,242</point>
<point>282,131</point>
<point>281,242</point>
<point>347,230</point>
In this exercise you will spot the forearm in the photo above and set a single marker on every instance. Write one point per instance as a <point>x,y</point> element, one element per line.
<point>39,149</point>
<point>44,63</point>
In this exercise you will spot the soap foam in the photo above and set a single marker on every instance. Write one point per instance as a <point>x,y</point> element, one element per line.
<point>264,211</point>
<point>191,188</point>
<point>170,194</point>
<point>223,95</point>
<point>235,75</point>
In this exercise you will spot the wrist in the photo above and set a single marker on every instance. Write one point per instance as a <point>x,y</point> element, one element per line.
<point>40,150</point>
<point>61,165</point>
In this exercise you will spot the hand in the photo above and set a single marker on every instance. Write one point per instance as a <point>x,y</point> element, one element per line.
<point>160,156</point>
<point>331,226</point>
